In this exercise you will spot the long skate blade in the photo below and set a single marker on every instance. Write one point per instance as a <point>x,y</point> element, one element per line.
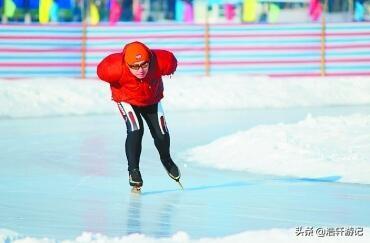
<point>182,188</point>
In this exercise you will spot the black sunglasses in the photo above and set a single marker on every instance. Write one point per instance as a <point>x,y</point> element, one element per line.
<point>138,66</point>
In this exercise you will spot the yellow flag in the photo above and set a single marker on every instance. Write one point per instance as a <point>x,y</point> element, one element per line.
<point>94,14</point>
<point>250,10</point>
<point>44,11</point>
<point>9,8</point>
<point>273,14</point>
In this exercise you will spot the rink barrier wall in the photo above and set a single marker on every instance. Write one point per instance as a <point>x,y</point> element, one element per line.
<point>277,50</point>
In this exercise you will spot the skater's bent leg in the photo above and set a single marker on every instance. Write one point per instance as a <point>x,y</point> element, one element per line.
<point>154,117</point>
<point>133,148</point>
<point>135,131</point>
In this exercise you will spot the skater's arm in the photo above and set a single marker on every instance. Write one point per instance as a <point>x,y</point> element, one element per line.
<point>167,62</point>
<point>110,68</point>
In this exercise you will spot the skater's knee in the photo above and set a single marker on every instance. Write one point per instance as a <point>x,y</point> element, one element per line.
<point>136,132</point>
<point>133,125</point>
<point>161,137</point>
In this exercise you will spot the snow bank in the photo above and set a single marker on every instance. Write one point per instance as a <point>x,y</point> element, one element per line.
<point>65,96</point>
<point>261,236</point>
<point>314,147</point>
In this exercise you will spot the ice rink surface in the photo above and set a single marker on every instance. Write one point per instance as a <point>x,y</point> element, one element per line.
<point>61,176</point>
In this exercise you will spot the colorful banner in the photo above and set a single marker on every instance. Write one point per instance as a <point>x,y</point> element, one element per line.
<point>250,10</point>
<point>54,12</point>
<point>188,12</point>
<point>137,10</point>
<point>179,10</point>
<point>115,12</point>
<point>200,11</point>
<point>315,10</point>
<point>9,8</point>
<point>44,11</point>
<point>359,11</point>
<point>273,13</point>
<point>229,11</point>
<point>94,14</point>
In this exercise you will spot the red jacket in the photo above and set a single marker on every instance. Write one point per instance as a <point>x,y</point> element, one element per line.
<point>126,87</point>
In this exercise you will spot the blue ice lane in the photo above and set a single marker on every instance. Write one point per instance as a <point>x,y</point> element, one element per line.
<point>61,176</point>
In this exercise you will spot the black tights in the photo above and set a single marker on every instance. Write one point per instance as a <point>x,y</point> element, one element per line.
<point>154,117</point>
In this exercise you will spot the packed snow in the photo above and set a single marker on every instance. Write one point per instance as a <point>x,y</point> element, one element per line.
<point>360,235</point>
<point>65,96</point>
<point>316,147</point>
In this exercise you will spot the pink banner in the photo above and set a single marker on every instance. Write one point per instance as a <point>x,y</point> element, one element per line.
<point>188,12</point>
<point>115,12</point>
<point>315,10</point>
<point>229,11</point>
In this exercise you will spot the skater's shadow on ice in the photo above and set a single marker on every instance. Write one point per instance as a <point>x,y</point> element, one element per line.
<point>199,188</point>
<point>243,183</point>
<point>318,179</point>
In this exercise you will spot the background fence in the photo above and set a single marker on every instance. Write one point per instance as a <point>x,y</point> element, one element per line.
<point>263,49</point>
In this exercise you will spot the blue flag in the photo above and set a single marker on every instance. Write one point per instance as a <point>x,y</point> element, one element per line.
<point>359,11</point>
